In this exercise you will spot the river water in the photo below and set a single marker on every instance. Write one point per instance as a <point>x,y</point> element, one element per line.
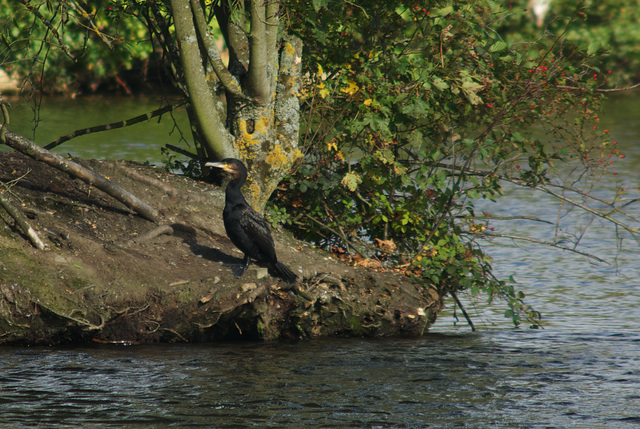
<point>581,370</point>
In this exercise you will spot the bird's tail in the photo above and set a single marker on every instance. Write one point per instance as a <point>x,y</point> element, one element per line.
<point>284,272</point>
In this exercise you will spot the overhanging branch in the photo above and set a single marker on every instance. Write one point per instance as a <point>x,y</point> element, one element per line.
<point>546,243</point>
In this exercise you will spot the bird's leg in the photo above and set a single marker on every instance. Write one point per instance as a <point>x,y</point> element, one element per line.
<point>245,264</point>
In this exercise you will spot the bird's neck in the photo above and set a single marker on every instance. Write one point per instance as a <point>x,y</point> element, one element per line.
<point>233,192</point>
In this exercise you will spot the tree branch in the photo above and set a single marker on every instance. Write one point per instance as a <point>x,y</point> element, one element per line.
<point>546,243</point>
<point>561,197</point>
<point>235,35</point>
<point>33,9</point>
<point>273,19</point>
<point>587,209</point>
<point>225,77</point>
<point>114,125</point>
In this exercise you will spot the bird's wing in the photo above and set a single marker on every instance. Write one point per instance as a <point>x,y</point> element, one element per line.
<point>258,229</point>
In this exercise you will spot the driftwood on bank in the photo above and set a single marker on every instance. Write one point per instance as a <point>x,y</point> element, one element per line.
<point>29,148</point>
<point>22,221</point>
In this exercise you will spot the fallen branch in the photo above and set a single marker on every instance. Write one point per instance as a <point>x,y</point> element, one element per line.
<point>147,180</point>
<point>26,146</point>
<point>155,233</point>
<point>21,220</point>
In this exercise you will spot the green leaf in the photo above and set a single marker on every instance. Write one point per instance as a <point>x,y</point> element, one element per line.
<point>498,46</point>
<point>351,181</point>
<point>470,89</point>
<point>319,4</point>
<point>440,84</point>
<point>594,47</point>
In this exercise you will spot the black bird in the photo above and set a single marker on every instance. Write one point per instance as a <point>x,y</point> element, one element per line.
<point>248,230</point>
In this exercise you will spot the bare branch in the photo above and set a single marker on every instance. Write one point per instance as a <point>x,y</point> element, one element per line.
<point>626,88</point>
<point>546,243</point>
<point>545,188</point>
<point>588,209</point>
<point>531,218</point>
<point>34,10</point>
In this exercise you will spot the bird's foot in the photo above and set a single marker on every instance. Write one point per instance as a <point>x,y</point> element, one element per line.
<point>239,271</point>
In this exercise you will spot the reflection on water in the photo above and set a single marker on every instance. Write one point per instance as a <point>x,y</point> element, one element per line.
<point>498,379</point>
<point>582,370</point>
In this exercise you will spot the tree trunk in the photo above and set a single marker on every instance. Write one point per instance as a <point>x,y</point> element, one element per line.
<point>260,87</point>
<point>267,135</point>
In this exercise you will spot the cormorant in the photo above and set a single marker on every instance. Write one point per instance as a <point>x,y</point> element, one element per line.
<point>248,230</point>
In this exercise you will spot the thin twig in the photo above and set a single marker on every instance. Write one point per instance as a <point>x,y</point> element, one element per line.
<point>33,9</point>
<point>464,312</point>
<point>181,151</point>
<point>547,243</point>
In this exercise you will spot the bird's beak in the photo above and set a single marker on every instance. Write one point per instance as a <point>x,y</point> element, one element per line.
<point>223,165</point>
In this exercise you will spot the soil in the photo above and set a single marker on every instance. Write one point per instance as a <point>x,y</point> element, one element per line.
<point>110,276</point>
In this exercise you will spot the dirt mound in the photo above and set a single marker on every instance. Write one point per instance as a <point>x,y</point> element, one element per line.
<point>109,275</point>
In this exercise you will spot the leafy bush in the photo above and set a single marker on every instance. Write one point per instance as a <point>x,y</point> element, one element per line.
<point>413,113</point>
